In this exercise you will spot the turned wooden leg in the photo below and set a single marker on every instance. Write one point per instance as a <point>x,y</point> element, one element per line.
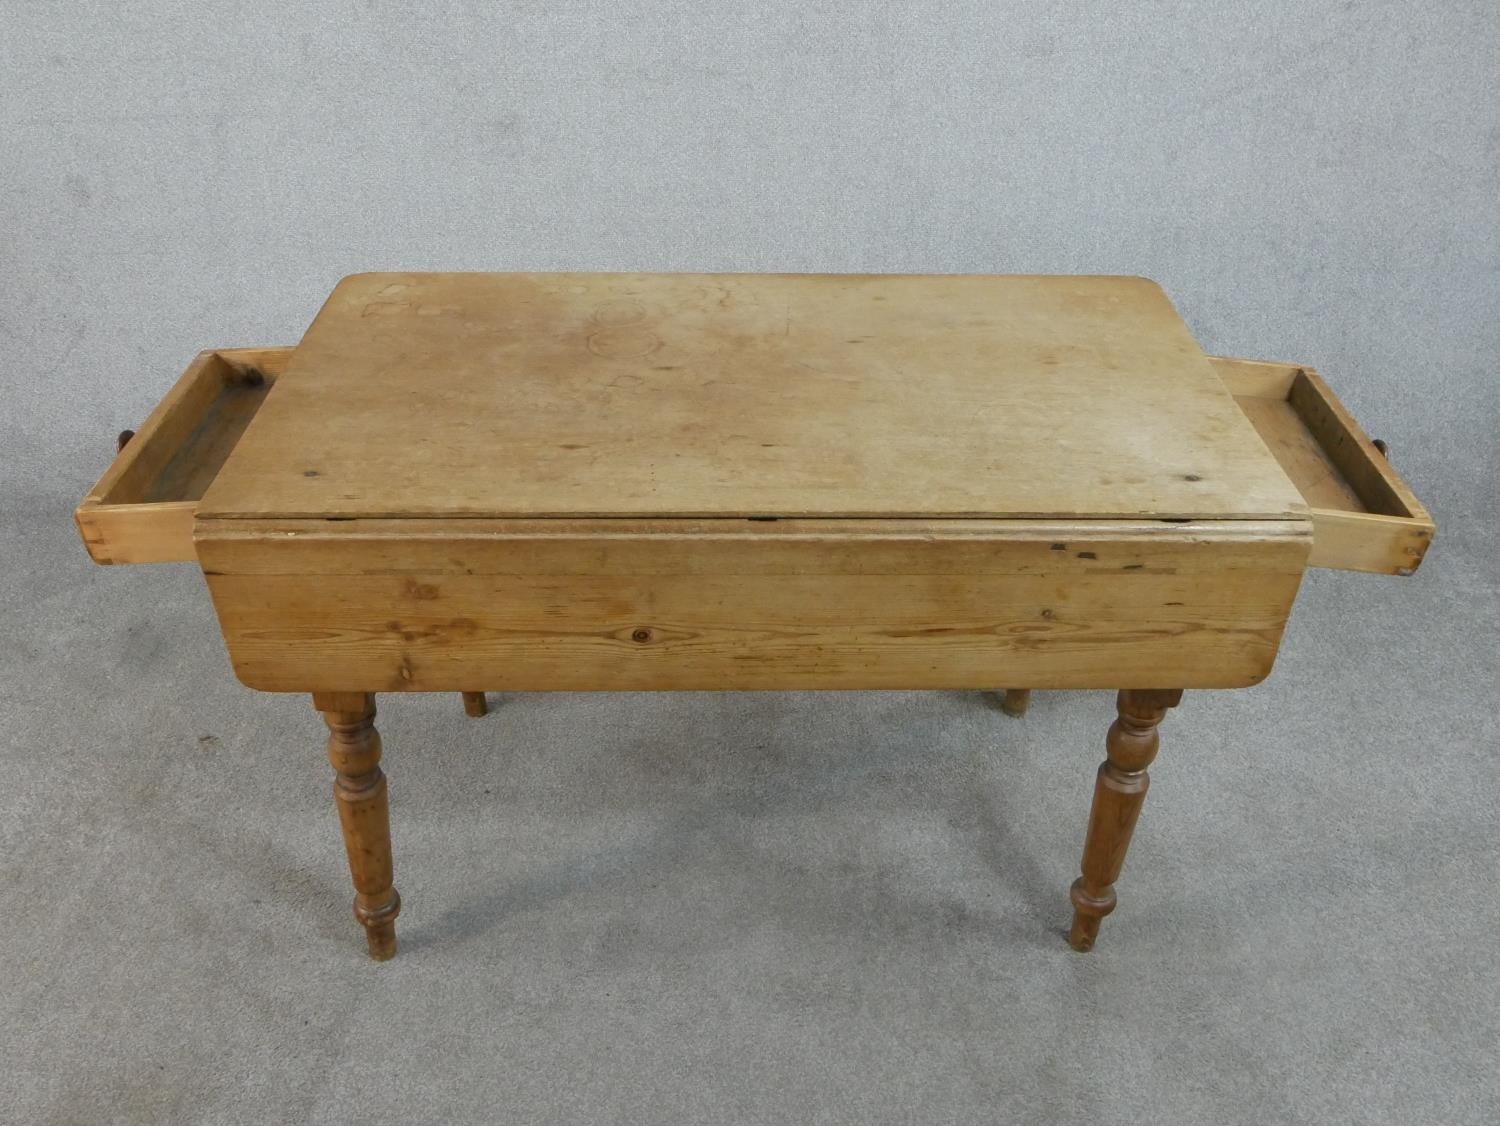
<point>1118,794</point>
<point>474,705</point>
<point>359,790</point>
<point>1015,701</point>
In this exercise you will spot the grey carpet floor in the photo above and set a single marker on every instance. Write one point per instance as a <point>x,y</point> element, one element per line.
<point>746,908</point>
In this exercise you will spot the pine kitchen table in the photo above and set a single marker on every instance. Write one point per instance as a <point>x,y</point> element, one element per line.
<point>531,482</point>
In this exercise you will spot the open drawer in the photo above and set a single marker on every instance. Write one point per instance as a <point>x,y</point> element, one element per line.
<point>1364,516</point>
<point>141,510</point>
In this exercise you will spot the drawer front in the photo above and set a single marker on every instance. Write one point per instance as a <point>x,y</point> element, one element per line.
<point>427,605</point>
<point>1365,517</point>
<point>141,510</point>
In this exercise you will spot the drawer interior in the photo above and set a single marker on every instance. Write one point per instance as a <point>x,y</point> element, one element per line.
<point>141,510</point>
<point>1365,517</point>
<point>236,395</point>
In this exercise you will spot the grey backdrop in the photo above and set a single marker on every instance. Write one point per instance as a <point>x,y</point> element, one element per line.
<point>838,908</point>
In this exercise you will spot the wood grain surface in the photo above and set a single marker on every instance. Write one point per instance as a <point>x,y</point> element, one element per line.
<point>629,395</point>
<point>555,604</point>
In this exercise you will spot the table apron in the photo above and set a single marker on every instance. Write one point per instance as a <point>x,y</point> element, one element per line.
<point>392,611</point>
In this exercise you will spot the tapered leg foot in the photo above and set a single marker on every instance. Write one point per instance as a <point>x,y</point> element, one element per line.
<point>474,705</point>
<point>1015,701</point>
<point>1119,793</point>
<point>1088,913</point>
<point>381,937</point>
<point>360,792</point>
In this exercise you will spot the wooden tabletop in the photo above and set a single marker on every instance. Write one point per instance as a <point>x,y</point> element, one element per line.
<point>576,395</point>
